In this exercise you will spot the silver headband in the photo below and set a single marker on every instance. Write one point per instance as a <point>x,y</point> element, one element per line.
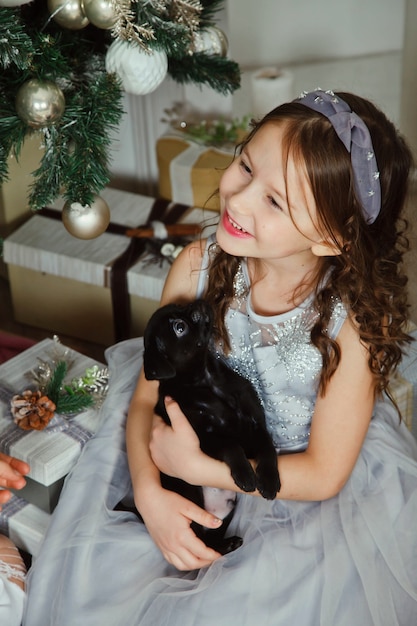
<point>354,134</point>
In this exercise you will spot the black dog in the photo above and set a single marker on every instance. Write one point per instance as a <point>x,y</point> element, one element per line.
<point>222,406</point>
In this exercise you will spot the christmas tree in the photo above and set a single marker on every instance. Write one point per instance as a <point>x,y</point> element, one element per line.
<point>64,67</point>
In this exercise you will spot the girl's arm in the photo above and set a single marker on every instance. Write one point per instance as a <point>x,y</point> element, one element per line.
<point>166,514</point>
<point>339,426</point>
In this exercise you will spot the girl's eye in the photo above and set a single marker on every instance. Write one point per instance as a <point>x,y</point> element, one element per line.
<point>180,327</point>
<point>273,202</point>
<point>245,167</point>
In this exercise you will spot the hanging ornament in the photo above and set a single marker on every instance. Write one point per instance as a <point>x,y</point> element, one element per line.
<point>211,40</point>
<point>141,72</point>
<point>86,222</point>
<point>101,13</point>
<point>40,103</point>
<point>68,13</point>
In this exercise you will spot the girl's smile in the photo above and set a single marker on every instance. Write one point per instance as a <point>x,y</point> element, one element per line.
<point>232,227</point>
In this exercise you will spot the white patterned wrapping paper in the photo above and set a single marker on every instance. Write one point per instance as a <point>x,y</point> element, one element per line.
<point>51,453</point>
<point>24,523</point>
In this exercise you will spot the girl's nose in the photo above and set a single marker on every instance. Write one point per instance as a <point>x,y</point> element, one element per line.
<point>241,199</point>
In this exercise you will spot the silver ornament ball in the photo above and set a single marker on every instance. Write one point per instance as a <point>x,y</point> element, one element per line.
<point>40,103</point>
<point>101,13</point>
<point>88,221</point>
<point>68,13</point>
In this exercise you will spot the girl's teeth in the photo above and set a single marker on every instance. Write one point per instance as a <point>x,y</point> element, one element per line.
<point>237,226</point>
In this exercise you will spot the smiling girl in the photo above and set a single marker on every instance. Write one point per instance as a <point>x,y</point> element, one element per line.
<point>305,277</point>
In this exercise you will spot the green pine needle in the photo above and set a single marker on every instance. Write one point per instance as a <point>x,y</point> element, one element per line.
<point>67,402</point>
<point>53,388</point>
<point>70,404</point>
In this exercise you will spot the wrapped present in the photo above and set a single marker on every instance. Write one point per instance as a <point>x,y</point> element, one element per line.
<point>102,290</point>
<point>190,172</point>
<point>14,207</point>
<point>24,523</point>
<point>53,451</point>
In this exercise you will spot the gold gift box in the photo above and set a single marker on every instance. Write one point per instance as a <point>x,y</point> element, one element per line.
<point>189,173</point>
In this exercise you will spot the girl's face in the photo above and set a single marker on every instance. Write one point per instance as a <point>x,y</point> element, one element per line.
<point>256,219</point>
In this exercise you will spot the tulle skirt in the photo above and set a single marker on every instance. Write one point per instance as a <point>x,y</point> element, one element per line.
<point>349,560</point>
<point>12,599</point>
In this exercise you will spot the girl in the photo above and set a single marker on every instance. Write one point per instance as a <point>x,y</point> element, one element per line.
<point>12,567</point>
<point>305,275</point>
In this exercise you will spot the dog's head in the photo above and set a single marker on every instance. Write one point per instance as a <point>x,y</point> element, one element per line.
<point>176,339</point>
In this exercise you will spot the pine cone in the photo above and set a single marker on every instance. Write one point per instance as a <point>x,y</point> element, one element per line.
<point>32,410</point>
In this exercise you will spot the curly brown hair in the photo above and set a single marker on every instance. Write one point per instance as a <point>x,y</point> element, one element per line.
<point>367,275</point>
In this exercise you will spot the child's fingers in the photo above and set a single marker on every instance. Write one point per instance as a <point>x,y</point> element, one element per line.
<point>20,466</point>
<point>5,496</point>
<point>10,477</point>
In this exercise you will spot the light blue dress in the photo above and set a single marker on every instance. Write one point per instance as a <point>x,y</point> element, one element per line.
<point>348,560</point>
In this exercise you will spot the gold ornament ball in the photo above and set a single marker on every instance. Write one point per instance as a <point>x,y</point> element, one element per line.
<point>101,13</point>
<point>68,13</point>
<point>211,40</point>
<point>40,103</point>
<point>88,221</point>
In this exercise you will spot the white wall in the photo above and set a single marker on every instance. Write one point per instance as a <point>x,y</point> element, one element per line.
<point>292,31</point>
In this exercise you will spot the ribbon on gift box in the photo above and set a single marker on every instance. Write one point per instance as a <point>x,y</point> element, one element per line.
<point>164,212</point>
<point>10,508</point>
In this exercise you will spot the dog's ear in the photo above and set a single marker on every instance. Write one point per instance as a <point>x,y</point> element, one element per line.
<point>157,366</point>
<point>155,363</point>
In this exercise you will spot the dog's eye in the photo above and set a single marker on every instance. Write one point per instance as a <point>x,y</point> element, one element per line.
<point>180,327</point>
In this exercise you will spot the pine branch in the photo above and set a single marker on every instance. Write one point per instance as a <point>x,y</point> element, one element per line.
<point>16,45</point>
<point>210,8</point>
<point>218,72</point>
<point>71,404</point>
<point>76,157</point>
<point>53,387</point>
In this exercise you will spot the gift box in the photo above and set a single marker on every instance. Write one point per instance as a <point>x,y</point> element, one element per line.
<point>14,207</point>
<point>24,523</point>
<point>51,452</point>
<point>190,172</point>
<point>101,290</point>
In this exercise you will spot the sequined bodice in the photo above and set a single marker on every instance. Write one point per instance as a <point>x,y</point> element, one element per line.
<point>277,356</point>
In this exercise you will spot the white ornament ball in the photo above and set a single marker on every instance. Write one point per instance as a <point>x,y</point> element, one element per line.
<point>101,13</point>
<point>40,103</point>
<point>68,13</point>
<point>88,221</point>
<point>141,72</point>
<point>211,40</point>
<point>13,3</point>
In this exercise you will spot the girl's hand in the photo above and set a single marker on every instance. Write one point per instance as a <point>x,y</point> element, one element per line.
<point>12,472</point>
<point>175,449</point>
<point>167,517</point>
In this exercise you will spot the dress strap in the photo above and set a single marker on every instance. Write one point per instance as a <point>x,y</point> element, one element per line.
<point>205,264</point>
